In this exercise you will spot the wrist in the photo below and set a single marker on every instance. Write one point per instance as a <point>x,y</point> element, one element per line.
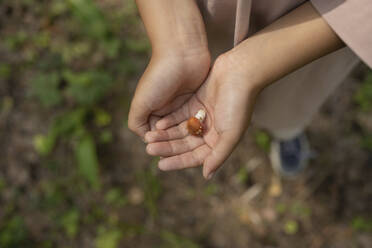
<point>182,67</point>
<point>197,57</point>
<point>175,50</point>
<point>285,46</point>
<point>180,28</point>
<point>245,65</point>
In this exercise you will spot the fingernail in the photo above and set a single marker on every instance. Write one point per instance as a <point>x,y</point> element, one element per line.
<point>157,124</point>
<point>210,175</point>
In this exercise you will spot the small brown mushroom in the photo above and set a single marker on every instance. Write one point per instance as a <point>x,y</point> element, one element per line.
<point>195,123</point>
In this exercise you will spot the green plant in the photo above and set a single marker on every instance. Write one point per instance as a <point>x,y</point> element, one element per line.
<point>16,40</point>
<point>6,105</point>
<point>151,187</point>
<point>2,184</point>
<point>361,224</point>
<point>300,210</point>
<point>262,140</point>
<point>69,124</point>
<point>45,88</point>
<point>101,117</point>
<point>105,136</point>
<point>52,196</point>
<point>242,175</point>
<point>75,69</point>
<point>281,208</point>
<point>108,238</point>
<point>172,240</point>
<point>115,197</point>
<point>74,57</point>
<point>88,87</point>
<point>211,189</point>
<point>5,70</point>
<point>367,141</point>
<point>70,222</point>
<point>72,125</point>
<point>90,17</point>
<point>13,233</point>
<point>363,97</point>
<point>87,160</point>
<point>291,227</point>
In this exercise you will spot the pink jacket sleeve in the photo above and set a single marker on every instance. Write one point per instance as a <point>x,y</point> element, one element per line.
<point>352,21</point>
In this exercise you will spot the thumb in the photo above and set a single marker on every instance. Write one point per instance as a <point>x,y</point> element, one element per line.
<point>222,150</point>
<point>138,119</point>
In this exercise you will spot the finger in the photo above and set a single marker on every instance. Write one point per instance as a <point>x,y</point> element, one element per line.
<point>152,121</point>
<point>138,118</point>
<point>175,104</point>
<point>222,150</point>
<point>172,133</point>
<point>174,118</point>
<point>174,147</point>
<point>140,129</point>
<point>186,160</point>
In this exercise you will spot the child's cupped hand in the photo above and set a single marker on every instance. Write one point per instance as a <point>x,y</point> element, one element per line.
<point>168,81</point>
<point>227,97</point>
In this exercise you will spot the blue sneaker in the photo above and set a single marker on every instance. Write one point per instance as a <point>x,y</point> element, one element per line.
<point>290,157</point>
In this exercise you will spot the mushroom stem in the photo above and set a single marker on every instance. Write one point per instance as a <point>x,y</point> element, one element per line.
<point>200,115</point>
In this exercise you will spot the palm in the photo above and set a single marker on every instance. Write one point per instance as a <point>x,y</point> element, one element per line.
<point>224,124</point>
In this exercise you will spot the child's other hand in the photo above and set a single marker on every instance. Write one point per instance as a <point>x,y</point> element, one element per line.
<point>169,81</point>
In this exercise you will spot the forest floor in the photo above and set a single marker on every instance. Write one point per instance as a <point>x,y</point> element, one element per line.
<point>44,201</point>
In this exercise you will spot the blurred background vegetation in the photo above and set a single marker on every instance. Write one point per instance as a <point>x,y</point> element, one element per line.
<point>72,175</point>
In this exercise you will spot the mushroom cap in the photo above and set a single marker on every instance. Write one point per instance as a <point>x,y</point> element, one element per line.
<point>194,126</point>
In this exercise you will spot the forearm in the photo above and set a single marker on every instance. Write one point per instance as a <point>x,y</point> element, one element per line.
<point>291,42</point>
<point>173,25</point>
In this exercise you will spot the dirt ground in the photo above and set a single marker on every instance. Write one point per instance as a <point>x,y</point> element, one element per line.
<point>245,205</point>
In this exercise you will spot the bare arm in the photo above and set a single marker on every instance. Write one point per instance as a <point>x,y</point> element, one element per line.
<point>179,63</point>
<point>173,25</point>
<point>291,42</point>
